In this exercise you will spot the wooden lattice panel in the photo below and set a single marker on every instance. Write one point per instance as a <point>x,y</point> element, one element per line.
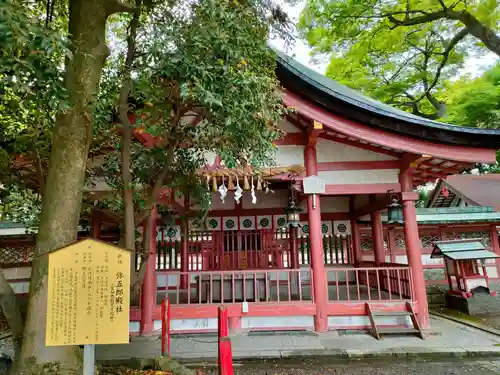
<point>484,236</point>
<point>14,255</point>
<point>427,241</point>
<point>399,238</point>
<point>366,241</point>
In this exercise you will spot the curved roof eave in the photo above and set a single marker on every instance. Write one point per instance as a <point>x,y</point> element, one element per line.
<point>354,105</point>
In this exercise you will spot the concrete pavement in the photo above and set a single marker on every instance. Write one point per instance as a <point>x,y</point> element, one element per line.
<point>447,339</point>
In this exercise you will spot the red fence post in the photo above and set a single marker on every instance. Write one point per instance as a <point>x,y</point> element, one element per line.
<point>223,329</point>
<point>225,356</point>
<point>163,326</point>
<point>169,318</point>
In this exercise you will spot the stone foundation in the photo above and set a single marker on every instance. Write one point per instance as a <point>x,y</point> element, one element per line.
<point>479,304</point>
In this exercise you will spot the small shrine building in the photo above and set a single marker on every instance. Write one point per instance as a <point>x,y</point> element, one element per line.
<point>335,269</point>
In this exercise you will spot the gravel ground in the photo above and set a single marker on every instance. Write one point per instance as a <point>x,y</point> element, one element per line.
<point>456,367</point>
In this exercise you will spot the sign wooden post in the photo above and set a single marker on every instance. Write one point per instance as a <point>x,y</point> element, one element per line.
<point>313,185</point>
<point>88,297</point>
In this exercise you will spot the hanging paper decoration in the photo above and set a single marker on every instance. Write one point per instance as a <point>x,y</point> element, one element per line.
<point>279,221</point>
<point>230,223</point>
<point>238,193</point>
<point>252,192</point>
<point>246,185</point>
<point>259,183</point>
<point>214,223</point>
<point>230,184</point>
<point>247,222</point>
<point>223,191</point>
<point>208,182</point>
<point>264,222</point>
<point>214,184</point>
<point>326,228</point>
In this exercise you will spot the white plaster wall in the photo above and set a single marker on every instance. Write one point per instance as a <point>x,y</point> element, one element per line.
<point>192,324</point>
<point>287,127</point>
<point>255,322</point>
<point>334,204</point>
<point>492,271</point>
<point>210,157</point>
<point>428,261</point>
<point>360,321</point>
<point>278,199</point>
<point>96,184</point>
<point>401,259</point>
<point>378,176</point>
<point>333,151</point>
<point>289,155</point>
<point>17,273</point>
<point>12,231</point>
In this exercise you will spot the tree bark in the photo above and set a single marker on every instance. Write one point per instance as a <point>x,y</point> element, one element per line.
<point>126,140</point>
<point>12,313</point>
<point>64,184</point>
<point>486,35</point>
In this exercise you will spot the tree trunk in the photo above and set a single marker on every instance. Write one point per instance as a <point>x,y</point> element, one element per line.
<point>12,313</point>
<point>126,139</point>
<point>64,184</point>
<point>482,32</point>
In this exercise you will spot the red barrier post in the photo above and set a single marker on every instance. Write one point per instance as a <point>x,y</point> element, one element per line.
<point>169,318</point>
<point>223,328</point>
<point>225,356</point>
<point>163,326</point>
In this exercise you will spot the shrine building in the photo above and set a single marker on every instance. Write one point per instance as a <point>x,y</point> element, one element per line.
<point>279,257</point>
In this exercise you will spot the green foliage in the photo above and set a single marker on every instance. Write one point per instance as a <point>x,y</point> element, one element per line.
<point>372,49</point>
<point>219,68</point>
<point>204,81</point>
<point>475,102</point>
<point>31,93</point>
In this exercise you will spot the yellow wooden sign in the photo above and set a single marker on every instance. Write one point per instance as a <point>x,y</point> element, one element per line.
<point>88,294</point>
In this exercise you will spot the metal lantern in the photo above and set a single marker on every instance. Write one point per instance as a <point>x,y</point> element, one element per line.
<point>293,213</point>
<point>395,211</point>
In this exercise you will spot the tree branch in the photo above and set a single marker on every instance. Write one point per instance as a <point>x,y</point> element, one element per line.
<point>116,6</point>
<point>429,17</point>
<point>39,170</point>
<point>486,35</point>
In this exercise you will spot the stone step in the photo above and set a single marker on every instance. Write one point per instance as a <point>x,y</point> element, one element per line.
<point>391,313</point>
<point>397,330</point>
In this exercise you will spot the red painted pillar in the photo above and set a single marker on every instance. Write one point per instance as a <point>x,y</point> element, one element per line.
<point>355,234</point>
<point>377,234</point>
<point>356,242</point>
<point>294,251</point>
<point>316,248</point>
<point>95,227</point>
<point>184,254</point>
<point>413,251</point>
<point>495,246</point>
<point>148,292</point>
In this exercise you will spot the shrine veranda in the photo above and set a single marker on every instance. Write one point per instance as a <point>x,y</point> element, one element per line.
<point>343,255</point>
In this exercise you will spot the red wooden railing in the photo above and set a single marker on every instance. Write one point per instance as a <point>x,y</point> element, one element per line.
<point>217,287</point>
<point>369,283</point>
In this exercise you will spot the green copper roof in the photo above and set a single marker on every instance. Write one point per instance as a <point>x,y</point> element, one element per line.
<point>352,104</point>
<point>450,215</point>
<point>462,249</point>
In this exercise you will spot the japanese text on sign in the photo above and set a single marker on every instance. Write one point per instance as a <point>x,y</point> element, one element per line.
<point>89,294</point>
